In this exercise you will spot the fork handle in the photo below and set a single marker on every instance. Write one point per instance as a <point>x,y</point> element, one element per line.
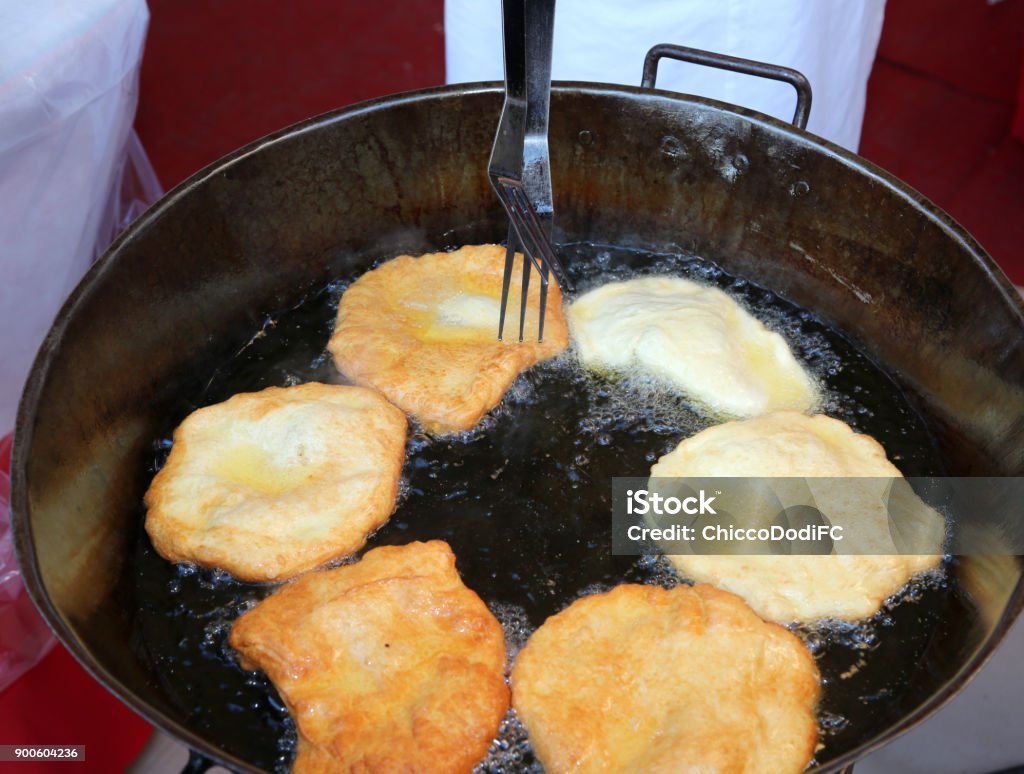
<point>513,24</point>
<point>539,27</point>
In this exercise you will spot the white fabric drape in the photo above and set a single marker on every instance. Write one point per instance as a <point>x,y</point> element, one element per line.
<point>832,42</point>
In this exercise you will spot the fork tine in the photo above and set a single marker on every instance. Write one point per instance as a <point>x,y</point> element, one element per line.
<point>543,302</point>
<point>536,248</point>
<point>532,231</point>
<point>506,279</point>
<point>525,289</point>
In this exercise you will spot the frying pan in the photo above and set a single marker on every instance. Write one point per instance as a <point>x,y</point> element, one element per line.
<point>177,294</point>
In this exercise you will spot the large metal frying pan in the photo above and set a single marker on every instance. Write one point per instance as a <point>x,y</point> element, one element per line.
<point>196,274</point>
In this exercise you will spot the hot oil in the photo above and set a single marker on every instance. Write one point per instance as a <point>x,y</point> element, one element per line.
<point>525,502</point>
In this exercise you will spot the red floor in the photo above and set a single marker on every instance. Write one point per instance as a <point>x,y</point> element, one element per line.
<point>217,75</point>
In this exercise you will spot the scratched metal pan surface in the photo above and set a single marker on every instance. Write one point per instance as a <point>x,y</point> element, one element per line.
<point>229,284</point>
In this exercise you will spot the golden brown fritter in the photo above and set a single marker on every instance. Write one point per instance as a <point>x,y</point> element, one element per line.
<point>423,331</point>
<point>387,665</point>
<point>270,484</point>
<point>850,584</point>
<point>648,679</point>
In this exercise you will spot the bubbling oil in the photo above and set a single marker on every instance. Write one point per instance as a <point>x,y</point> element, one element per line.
<point>524,500</point>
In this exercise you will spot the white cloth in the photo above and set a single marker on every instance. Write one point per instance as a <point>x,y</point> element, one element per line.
<point>68,90</point>
<point>832,42</point>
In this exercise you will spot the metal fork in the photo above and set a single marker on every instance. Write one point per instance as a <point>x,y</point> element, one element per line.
<point>519,168</point>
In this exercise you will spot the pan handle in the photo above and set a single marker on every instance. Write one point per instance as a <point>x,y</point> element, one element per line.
<point>734,64</point>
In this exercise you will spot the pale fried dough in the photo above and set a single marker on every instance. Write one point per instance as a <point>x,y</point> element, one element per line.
<point>695,338</point>
<point>845,585</point>
<point>647,679</point>
<point>390,664</point>
<point>267,485</point>
<point>423,331</point>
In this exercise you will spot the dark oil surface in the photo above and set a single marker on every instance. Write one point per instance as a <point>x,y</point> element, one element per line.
<point>524,501</point>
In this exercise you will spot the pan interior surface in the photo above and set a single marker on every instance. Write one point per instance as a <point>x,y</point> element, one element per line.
<point>524,501</point>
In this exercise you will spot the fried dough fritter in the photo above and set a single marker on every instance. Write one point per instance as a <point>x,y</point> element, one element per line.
<point>695,338</point>
<point>389,664</point>
<point>270,484</point>
<point>642,678</point>
<point>854,581</point>
<point>423,331</point>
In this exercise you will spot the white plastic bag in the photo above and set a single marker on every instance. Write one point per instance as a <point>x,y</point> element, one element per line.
<point>24,636</point>
<point>72,176</point>
<point>69,73</point>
